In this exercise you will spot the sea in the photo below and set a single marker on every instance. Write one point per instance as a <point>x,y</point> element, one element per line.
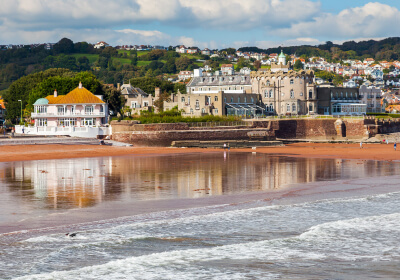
<point>222,215</point>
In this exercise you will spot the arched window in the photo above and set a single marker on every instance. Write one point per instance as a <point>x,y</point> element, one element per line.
<point>271,94</point>
<point>292,94</point>
<point>310,94</point>
<point>294,107</point>
<point>287,107</point>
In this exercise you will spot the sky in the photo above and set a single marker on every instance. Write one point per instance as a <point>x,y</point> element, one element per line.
<point>202,23</point>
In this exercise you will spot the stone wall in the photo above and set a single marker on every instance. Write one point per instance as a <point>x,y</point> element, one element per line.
<point>165,138</point>
<point>309,129</point>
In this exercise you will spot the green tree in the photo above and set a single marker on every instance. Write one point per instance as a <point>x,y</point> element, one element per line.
<point>298,65</point>
<point>65,46</point>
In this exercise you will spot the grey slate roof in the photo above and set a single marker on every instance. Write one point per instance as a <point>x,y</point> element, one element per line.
<point>220,81</point>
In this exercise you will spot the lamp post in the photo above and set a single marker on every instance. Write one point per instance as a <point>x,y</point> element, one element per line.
<point>21,109</point>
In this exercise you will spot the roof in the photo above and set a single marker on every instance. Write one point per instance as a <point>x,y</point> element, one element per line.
<point>282,54</point>
<point>41,101</point>
<point>220,81</point>
<point>130,90</point>
<point>79,95</point>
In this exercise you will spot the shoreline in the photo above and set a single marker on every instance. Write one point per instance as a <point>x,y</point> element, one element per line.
<point>311,150</point>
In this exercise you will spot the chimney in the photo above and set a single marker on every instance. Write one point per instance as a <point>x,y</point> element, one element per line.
<point>157,93</point>
<point>118,86</point>
<point>55,93</point>
<point>80,85</point>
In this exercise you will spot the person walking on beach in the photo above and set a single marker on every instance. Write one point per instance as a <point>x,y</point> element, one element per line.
<point>360,144</point>
<point>224,146</point>
<point>395,146</point>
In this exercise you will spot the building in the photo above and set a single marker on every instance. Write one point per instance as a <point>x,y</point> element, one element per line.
<point>217,95</point>
<point>281,65</point>
<point>101,44</point>
<point>340,101</point>
<point>288,92</point>
<point>216,103</point>
<point>371,97</point>
<point>230,83</point>
<point>136,99</point>
<point>78,113</point>
<point>184,75</point>
<point>227,69</point>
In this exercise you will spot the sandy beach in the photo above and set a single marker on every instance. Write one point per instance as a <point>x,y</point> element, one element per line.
<point>314,150</point>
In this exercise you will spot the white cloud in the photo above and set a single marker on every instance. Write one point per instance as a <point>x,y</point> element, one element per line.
<point>370,20</point>
<point>234,14</point>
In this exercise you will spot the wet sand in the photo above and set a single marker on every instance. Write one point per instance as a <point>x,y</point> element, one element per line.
<point>314,150</point>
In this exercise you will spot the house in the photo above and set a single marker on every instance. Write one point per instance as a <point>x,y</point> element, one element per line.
<point>371,96</point>
<point>184,75</point>
<point>181,49</point>
<point>350,84</point>
<point>136,99</point>
<point>78,113</point>
<point>101,44</point>
<point>206,52</point>
<point>227,69</point>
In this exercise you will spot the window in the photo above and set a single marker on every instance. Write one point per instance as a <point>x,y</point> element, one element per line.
<point>197,104</point>
<point>215,111</point>
<point>89,110</point>
<point>60,110</point>
<point>182,99</point>
<point>41,122</point>
<point>73,109</point>
<point>67,122</point>
<point>203,110</point>
<point>252,100</point>
<point>88,122</point>
<point>292,94</point>
<point>245,99</point>
<point>294,107</point>
<point>238,99</point>
<point>268,83</point>
<point>188,101</point>
<point>224,99</point>
<point>271,107</point>
<point>271,94</point>
<point>310,108</point>
<point>288,107</point>
<point>134,104</point>
<point>310,94</point>
<point>266,94</point>
<point>231,99</point>
<point>291,81</point>
<point>41,109</point>
<point>215,98</point>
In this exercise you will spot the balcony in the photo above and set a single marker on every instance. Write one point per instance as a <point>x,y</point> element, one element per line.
<point>69,115</point>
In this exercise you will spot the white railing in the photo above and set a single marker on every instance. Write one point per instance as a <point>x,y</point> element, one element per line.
<point>86,131</point>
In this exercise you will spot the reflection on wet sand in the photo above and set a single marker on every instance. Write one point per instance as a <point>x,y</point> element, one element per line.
<point>86,182</point>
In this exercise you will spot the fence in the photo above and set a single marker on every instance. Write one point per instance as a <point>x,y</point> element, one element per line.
<point>216,124</point>
<point>85,131</point>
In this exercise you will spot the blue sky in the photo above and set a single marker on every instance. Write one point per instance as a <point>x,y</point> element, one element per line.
<point>202,23</point>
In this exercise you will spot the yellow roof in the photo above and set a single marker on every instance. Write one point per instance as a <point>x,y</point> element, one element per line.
<point>80,95</point>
